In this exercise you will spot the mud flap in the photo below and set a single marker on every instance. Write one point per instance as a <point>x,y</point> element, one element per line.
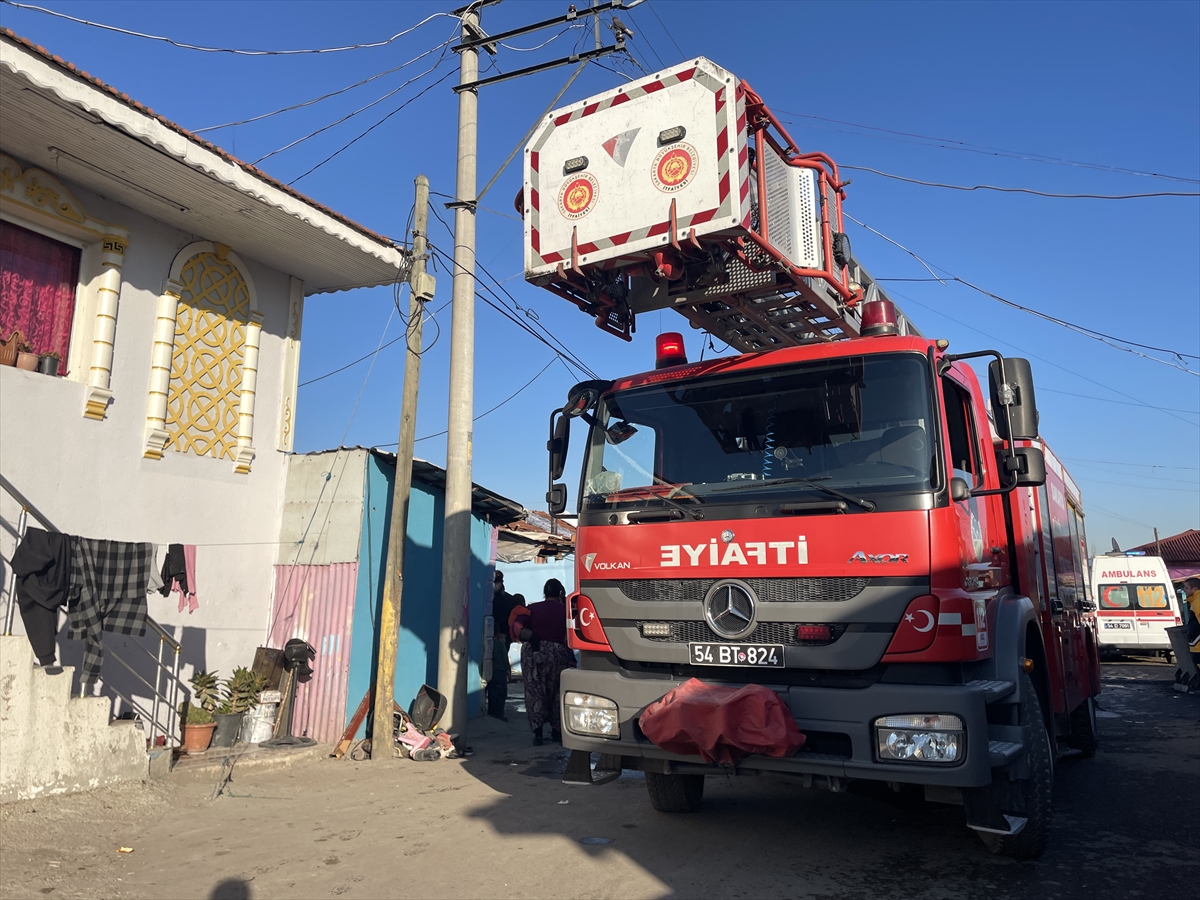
<point>982,808</point>
<point>579,768</point>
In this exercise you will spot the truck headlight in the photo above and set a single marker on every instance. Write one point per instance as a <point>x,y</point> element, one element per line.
<point>920,738</point>
<point>589,714</point>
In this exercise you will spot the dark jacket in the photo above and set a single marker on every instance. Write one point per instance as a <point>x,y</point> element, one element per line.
<point>42,565</point>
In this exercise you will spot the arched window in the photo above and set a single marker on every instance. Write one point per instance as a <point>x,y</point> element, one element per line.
<point>213,362</point>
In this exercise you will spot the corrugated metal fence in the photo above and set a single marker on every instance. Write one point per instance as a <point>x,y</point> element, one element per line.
<point>316,604</point>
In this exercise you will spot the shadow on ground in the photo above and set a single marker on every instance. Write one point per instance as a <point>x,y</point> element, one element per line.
<point>1114,818</point>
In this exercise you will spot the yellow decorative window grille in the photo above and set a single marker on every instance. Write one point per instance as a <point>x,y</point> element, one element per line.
<point>206,365</point>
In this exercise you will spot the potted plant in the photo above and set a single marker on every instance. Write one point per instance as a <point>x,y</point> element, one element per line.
<point>197,726</point>
<point>48,364</point>
<point>241,691</point>
<point>206,690</point>
<point>26,358</point>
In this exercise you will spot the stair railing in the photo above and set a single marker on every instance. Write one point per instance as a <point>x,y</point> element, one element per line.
<point>167,691</point>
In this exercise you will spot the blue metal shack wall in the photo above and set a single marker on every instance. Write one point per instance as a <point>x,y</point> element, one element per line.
<point>416,659</point>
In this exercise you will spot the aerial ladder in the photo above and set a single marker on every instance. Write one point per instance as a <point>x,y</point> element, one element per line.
<point>684,191</point>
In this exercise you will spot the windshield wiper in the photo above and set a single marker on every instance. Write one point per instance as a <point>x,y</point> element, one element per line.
<point>868,505</point>
<point>667,498</point>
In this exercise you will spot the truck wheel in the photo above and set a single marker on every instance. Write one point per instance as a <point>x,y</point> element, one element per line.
<point>1083,728</point>
<point>675,793</point>
<point>1028,797</point>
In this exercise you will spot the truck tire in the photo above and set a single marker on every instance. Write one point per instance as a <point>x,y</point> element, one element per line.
<point>1083,729</point>
<point>1028,797</point>
<point>675,793</point>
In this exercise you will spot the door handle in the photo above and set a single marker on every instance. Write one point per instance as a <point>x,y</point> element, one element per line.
<point>1056,607</point>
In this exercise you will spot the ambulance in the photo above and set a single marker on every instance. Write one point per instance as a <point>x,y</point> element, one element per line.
<point>1135,603</point>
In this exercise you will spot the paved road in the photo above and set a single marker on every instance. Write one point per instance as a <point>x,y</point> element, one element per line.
<point>501,824</point>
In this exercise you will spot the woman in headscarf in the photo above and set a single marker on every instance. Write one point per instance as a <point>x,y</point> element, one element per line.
<point>542,632</point>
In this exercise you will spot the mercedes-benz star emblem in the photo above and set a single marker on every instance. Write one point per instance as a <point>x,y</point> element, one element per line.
<point>729,609</point>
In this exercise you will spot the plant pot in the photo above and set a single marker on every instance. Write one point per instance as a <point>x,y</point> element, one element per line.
<point>228,726</point>
<point>48,365</point>
<point>196,738</point>
<point>27,361</point>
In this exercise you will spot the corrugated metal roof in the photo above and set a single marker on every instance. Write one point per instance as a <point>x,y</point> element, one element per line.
<point>60,118</point>
<point>1178,548</point>
<point>500,510</point>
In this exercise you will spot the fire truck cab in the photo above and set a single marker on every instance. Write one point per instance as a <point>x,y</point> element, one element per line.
<point>841,514</point>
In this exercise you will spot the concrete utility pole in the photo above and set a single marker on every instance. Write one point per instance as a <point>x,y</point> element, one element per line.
<point>421,286</point>
<point>456,539</point>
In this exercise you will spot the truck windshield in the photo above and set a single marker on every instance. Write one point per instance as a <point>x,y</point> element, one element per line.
<point>860,424</point>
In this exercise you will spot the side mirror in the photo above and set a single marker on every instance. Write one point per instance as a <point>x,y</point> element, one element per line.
<point>556,499</point>
<point>959,489</point>
<point>560,439</point>
<point>1013,392</point>
<point>1031,466</point>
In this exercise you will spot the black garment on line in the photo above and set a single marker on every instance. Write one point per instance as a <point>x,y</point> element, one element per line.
<point>42,564</point>
<point>41,627</point>
<point>173,570</point>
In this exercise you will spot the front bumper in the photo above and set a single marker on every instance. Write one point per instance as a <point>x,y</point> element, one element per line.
<point>831,711</point>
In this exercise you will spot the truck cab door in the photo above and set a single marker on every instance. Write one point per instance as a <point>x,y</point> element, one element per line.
<point>980,549</point>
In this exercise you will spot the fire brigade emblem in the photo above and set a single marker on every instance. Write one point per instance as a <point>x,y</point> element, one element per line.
<point>578,196</point>
<point>674,167</point>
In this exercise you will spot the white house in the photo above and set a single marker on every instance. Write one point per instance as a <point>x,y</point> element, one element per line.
<point>170,277</point>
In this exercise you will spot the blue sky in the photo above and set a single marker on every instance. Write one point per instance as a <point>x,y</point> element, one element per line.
<point>1116,85</point>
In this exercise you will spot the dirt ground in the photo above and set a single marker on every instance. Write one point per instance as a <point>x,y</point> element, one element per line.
<point>501,824</point>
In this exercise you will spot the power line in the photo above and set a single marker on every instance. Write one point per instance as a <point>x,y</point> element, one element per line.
<point>650,6</point>
<point>528,314</point>
<point>1113,462</point>
<point>1100,336</point>
<point>348,87</point>
<point>661,64</point>
<point>510,397</point>
<point>1141,487</point>
<point>184,46</point>
<point>1022,190</point>
<point>361,109</point>
<point>1109,400</point>
<point>543,43</point>
<point>355,140</point>
<point>984,149</point>
<point>1152,477</point>
<point>1049,362</point>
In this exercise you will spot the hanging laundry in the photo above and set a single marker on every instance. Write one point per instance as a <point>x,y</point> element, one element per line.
<point>42,565</point>
<point>173,568</point>
<point>189,564</point>
<point>107,593</point>
<point>158,557</point>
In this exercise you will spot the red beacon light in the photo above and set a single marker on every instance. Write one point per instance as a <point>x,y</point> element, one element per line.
<point>878,318</point>
<point>669,350</point>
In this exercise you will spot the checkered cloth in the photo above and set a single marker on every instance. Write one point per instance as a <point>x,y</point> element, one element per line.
<point>107,593</point>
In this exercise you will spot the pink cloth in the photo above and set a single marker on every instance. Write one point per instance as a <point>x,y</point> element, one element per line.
<point>721,724</point>
<point>188,599</point>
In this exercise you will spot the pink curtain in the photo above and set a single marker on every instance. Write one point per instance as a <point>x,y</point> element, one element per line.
<point>38,277</point>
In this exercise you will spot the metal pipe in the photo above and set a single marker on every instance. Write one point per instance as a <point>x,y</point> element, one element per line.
<point>22,522</point>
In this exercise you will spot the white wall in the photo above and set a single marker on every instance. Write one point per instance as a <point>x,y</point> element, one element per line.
<point>90,478</point>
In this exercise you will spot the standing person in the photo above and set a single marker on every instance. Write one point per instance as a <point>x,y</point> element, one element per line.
<point>544,655</point>
<point>1191,590</point>
<point>497,689</point>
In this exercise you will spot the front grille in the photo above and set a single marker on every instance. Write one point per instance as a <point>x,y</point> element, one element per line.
<point>769,590</point>
<point>764,633</point>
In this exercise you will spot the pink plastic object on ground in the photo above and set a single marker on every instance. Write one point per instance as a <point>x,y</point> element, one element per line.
<point>721,724</point>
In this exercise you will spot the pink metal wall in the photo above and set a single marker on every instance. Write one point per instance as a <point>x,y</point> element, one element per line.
<point>316,604</point>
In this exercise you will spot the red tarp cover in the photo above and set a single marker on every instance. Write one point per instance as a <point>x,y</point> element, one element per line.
<point>721,724</point>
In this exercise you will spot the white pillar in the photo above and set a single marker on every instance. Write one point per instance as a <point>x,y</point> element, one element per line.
<point>245,428</point>
<point>160,370</point>
<point>104,331</point>
<point>285,434</point>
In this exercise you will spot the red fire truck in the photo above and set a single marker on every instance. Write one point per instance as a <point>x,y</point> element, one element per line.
<point>842,514</point>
